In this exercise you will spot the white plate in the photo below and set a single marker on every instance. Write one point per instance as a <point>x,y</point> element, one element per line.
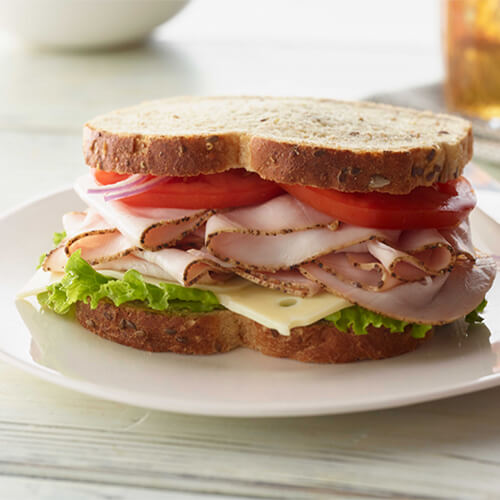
<point>240,383</point>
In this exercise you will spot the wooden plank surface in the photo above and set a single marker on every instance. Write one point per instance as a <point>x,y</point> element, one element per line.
<point>445,449</point>
<point>22,488</point>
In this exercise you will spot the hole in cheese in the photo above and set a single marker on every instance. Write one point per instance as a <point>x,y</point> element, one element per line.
<point>287,302</point>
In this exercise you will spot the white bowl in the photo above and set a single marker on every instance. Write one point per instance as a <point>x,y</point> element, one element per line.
<point>84,24</point>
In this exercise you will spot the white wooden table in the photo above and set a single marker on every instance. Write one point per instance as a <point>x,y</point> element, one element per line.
<point>58,444</point>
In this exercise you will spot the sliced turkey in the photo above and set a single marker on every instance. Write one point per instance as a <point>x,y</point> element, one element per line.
<point>75,223</point>
<point>291,282</point>
<point>149,228</point>
<point>97,240</point>
<point>460,239</point>
<point>277,216</point>
<point>434,300</point>
<point>412,266</point>
<point>378,266</point>
<point>144,267</point>
<point>55,260</point>
<point>170,264</point>
<point>281,234</point>
<point>187,268</point>
<point>360,269</point>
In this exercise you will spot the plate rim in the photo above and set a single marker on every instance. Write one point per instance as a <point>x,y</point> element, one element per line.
<point>219,409</point>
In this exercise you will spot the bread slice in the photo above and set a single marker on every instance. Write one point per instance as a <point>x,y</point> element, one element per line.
<point>348,146</point>
<point>222,331</point>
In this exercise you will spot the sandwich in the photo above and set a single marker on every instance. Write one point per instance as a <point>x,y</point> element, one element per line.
<point>311,229</point>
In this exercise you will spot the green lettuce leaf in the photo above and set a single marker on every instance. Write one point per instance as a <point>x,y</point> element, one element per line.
<point>474,317</point>
<point>357,319</point>
<point>83,283</point>
<point>40,260</point>
<point>58,237</point>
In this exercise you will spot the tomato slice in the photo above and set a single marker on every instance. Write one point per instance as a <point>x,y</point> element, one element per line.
<point>105,178</point>
<point>437,206</point>
<point>234,188</point>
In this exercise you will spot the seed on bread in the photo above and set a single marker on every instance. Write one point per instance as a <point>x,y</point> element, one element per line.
<point>126,324</point>
<point>378,181</point>
<point>417,171</point>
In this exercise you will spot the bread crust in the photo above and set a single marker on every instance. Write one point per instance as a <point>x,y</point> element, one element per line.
<point>222,331</point>
<point>172,156</point>
<point>430,148</point>
<point>349,171</point>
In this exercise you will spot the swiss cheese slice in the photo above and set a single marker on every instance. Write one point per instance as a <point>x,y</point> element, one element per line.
<point>38,283</point>
<point>279,310</point>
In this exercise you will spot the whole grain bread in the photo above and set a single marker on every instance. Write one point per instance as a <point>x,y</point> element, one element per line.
<point>222,331</point>
<point>348,146</point>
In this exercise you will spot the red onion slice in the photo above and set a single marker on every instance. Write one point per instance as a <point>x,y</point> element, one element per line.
<point>132,191</point>
<point>118,186</point>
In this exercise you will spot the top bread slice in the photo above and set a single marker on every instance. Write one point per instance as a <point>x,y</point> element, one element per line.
<point>348,146</point>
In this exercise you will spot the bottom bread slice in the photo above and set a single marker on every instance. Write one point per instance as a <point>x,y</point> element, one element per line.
<point>221,331</point>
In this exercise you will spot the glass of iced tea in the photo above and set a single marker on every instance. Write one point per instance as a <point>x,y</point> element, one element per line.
<point>472,57</point>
